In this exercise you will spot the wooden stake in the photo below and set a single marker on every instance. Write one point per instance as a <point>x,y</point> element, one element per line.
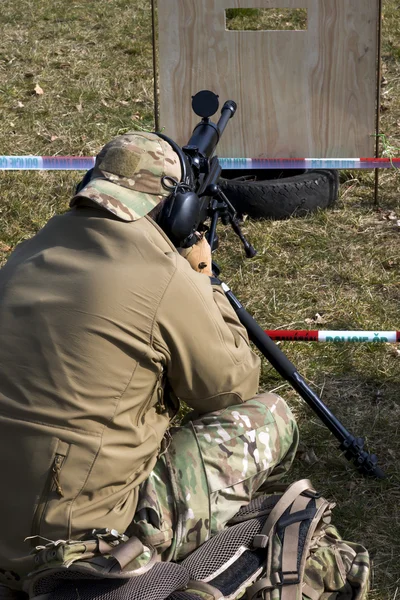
<point>378,101</point>
<point>155,74</point>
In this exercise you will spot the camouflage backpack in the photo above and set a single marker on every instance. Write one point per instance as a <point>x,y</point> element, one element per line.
<point>281,546</point>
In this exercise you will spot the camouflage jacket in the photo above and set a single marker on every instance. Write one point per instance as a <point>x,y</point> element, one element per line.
<point>95,315</point>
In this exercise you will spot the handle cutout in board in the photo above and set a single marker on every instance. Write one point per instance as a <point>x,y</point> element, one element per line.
<point>266,19</point>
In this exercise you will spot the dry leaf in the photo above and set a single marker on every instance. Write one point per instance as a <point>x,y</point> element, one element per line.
<point>394,351</point>
<point>38,90</point>
<point>306,455</point>
<point>79,107</point>
<point>310,458</point>
<point>389,264</point>
<point>319,319</point>
<point>4,247</point>
<point>388,215</point>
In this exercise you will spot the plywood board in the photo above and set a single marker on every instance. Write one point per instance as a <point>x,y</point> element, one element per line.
<point>300,93</point>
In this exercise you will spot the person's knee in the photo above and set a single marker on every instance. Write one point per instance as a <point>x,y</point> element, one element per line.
<point>265,417</point>
<point>283,417</point>
<point>275,405</point>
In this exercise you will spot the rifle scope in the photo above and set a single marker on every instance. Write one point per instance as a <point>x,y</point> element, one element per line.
<point>206,134</point>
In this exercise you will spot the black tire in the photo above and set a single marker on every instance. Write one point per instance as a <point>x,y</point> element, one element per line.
<point>267,194</point>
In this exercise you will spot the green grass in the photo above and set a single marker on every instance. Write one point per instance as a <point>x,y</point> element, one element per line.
<point>93,61</point>
<point>259,19</point>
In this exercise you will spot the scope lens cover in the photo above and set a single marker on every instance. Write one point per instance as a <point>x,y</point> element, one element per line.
<point>205,103</point>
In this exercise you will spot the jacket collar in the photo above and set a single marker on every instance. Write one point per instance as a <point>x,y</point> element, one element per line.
<point>157,235</point>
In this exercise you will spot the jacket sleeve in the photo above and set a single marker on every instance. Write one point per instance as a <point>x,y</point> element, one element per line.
<point>210,364</point>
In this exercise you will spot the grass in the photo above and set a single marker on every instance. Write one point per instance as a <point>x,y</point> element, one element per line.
<point>263,19</point>
<point>92,60</point>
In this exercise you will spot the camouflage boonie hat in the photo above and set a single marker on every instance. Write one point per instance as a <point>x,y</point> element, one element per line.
<point>126,178</point>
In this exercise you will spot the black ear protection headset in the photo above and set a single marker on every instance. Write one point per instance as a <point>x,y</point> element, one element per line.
<point>180,213</point>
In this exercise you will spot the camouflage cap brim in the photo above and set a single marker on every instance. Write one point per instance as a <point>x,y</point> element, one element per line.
<point>128,205</point>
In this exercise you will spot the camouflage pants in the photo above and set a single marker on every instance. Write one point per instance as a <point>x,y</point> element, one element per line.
<point>212,467</point>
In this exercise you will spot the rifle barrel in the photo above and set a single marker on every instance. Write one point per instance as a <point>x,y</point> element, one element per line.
<point>227,112</point>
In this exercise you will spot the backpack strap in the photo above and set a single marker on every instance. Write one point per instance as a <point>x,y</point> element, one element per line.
<point>292,492</point>
<point>290,550</point>
<point>289,575</point>
<point>308,591</point>
<point>302,508</point>
<point>294,552</point>
<point>322,514</point>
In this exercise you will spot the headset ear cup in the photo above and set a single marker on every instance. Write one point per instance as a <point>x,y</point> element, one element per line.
<point>179,217</point>
<point>180,213</point>
<point>86,178</point>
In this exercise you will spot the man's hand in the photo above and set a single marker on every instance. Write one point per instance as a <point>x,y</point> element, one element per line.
<point>199,256</point>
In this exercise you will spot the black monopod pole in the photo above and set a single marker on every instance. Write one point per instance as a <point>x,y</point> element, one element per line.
<point>353,447</point>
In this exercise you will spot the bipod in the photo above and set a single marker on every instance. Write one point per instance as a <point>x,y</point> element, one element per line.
<point>352,447</point>
<point>221,208</point>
